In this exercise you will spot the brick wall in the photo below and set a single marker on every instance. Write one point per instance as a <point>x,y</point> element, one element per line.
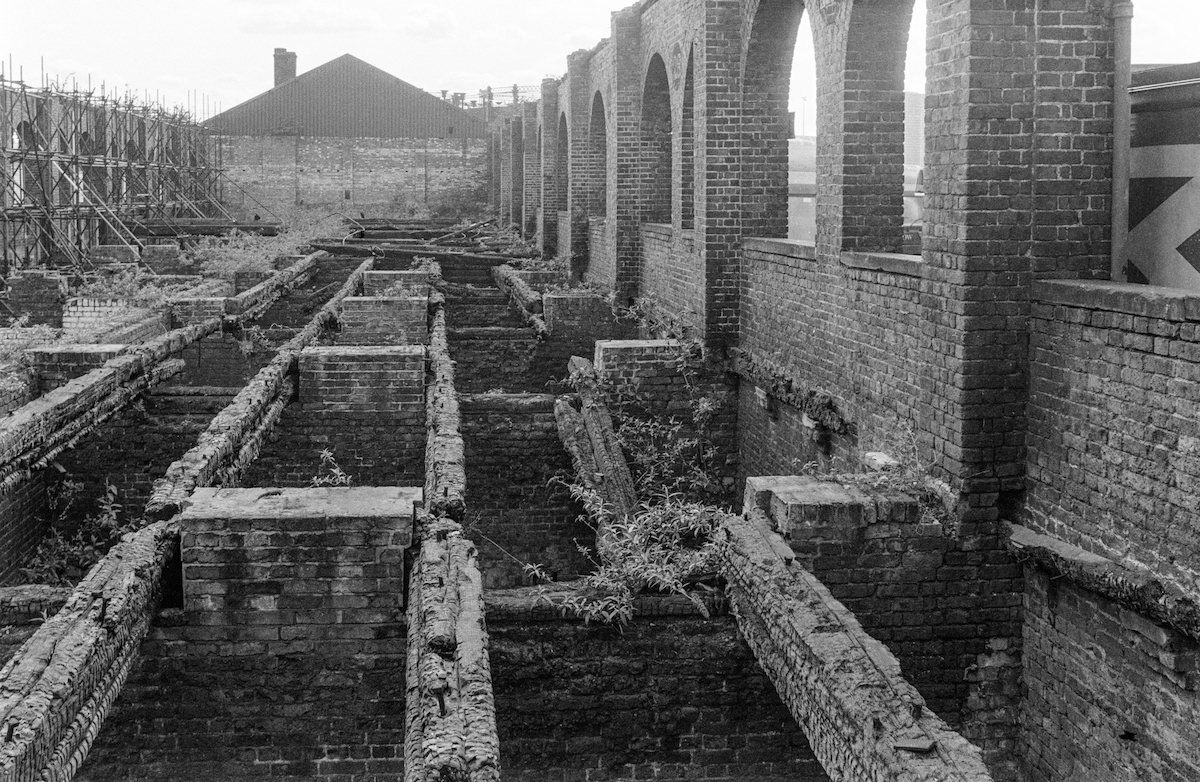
<point>287,663</point>
<point>671,697</point>
<point>379,320</point>
<point>857,334</point>
<point>366,405</point>
<point>1109,694</point>
<point>668,274</point>
<point>135,447</point>
<point>368,174</point>
<point>512,451</point>
<point>19,387</point>
<point>23,522</point>
<point>54,365</point>
<point>221,360</point>
<point>654,379</point>
<point>1114,448</point>
<point>376,282</point>
<point>39,295</point>
<point>109,318</point>
<point>948,608</point>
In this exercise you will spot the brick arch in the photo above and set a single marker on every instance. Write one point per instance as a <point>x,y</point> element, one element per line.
<point>766,74</point>
<point>596,174</point>
<point>871,106</point>
<point>655,140</point>
<point>562,164</point>
<point>687,145</point>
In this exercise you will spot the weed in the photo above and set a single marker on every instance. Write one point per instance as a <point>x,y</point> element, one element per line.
<point>332,474</point>
<point>70,550</point>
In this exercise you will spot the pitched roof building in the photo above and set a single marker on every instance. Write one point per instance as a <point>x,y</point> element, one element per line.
<point>344,98</point>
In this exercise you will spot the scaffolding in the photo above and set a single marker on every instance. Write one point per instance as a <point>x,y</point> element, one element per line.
<point>79,168</point>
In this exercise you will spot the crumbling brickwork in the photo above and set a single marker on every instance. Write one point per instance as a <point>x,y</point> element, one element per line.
<point>309,584</point>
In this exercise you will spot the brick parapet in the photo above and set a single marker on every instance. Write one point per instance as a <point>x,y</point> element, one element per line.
<point>1134,352</point>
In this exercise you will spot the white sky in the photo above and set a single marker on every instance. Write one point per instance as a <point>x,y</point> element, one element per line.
<point>222,49</point>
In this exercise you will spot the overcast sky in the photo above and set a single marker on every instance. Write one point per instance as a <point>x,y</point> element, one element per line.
<point>222,49</point>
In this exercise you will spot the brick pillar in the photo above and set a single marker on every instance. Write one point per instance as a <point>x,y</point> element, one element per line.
<point>624,154</point>
<point>531,200</point>
<point>495,168</point>
<point>553,199</point>
<point>506,187</point>
<point>578,113</point>
<point>1017,177</point>
<point>516,166</point>
<point>722,209</point>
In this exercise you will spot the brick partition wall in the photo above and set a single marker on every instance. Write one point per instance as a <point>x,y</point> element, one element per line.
<point>83,316</point>
<point>134,448</point>
<point>384,320</point>
<point>288,658</point>
<point>365,404</point>
<point>40,295</point>
<point>672,696</point>
<point>657,379</point>
<point>512,451</point>
<point>24,519</point>
<point>377,281</point>
<point>1111,465</point>
<point>223,360</point>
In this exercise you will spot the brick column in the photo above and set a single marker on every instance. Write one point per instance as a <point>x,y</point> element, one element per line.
<point>506,171</point>
<point>578,113</point>
<point>552,157</point>
<point>1017,180</point>
<point>624,153</point>
<point>516,166</point>
<point>531,200</point>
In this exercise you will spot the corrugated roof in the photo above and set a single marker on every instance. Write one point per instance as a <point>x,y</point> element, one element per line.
<point>347,98</point>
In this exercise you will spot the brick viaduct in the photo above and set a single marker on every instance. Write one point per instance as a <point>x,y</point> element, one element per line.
<point>1056,405</point>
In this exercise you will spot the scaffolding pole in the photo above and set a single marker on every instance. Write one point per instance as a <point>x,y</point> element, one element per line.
<point>81,168</point>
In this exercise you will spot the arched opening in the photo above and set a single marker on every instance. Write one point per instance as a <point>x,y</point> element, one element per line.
<point>914,131</point>
<point>872,128</point>
<point>655,146</point>
<point>687,148</point>
<point>597,174</point>
<point>561,158</point>
<point>802,147</point>
<point>767,125</point>
<point>559,188</point>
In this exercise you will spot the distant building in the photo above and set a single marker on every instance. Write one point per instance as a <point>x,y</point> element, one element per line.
<point>1164,185</point>
<point>348,134</point>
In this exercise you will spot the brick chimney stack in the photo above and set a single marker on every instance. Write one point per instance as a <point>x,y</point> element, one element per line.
<point>285,66</point>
